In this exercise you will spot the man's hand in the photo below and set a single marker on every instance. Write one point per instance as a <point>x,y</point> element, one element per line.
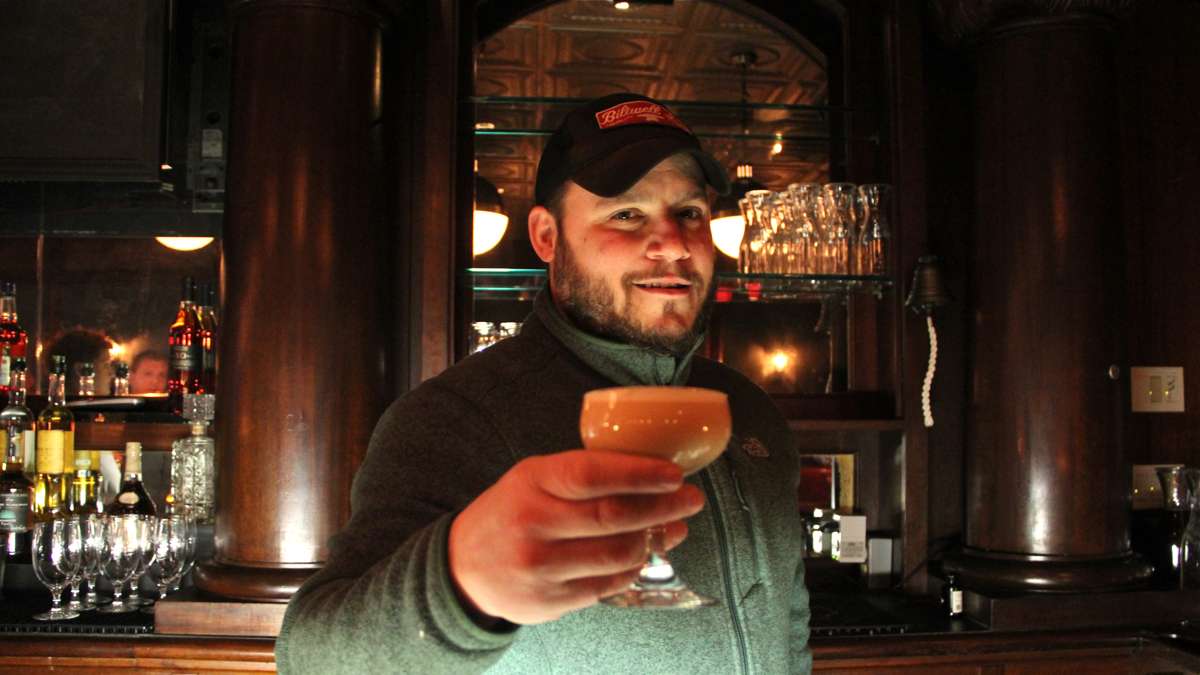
<point>556,533</point>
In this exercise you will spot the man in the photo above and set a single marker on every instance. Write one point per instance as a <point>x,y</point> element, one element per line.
<point>148,373</point>
<point>481,540</point>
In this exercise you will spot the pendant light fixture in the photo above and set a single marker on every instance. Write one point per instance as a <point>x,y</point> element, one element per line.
<point>490,220</point>
<point>727,223</point>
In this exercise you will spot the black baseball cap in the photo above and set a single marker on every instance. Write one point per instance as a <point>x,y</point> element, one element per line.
<point>607,145</point>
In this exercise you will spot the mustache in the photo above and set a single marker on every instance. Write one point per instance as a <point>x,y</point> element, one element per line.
<point>665,270</point>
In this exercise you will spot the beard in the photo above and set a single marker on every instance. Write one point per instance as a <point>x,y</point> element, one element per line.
<point>591,304</point>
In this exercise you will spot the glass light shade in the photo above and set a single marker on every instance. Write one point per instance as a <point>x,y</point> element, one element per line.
<point>488,230</point>
<point>184,243</point>
<point>727,234</point>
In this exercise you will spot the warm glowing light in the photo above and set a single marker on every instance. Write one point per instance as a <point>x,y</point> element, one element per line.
<point>165,167</point>
<point>489,228</point>
<point>727,234</point>
<point>779,362</point>
<point>621,4</point>
<point>115,351</point>
<point>184,243</point>
<point>777,147</point>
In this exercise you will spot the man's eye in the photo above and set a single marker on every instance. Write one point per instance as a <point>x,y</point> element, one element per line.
<point>625,216</point>
<point>691,214</point>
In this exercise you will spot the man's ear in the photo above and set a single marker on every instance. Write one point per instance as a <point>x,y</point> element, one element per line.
<point>543,233</point>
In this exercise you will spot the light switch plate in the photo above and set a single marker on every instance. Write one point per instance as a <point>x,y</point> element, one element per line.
<point>1156,389</point>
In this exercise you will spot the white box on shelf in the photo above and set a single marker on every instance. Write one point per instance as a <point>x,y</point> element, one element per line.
<point>850,539</point>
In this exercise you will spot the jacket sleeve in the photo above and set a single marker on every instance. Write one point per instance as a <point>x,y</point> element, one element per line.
<point>384,601</point>
<point>801,655</point>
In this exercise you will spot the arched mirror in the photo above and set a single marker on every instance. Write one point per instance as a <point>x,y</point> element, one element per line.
<point>764,91</point>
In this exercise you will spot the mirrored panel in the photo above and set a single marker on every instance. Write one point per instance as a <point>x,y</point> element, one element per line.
<point>98,300</point>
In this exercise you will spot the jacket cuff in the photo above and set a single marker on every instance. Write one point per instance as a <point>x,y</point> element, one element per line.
<point>445,608</point>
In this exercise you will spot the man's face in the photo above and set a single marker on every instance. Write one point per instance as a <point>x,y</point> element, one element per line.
<point>149,377</point>
<point>639,266</point>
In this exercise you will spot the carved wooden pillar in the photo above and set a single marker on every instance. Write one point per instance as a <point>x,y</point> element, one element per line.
<point>303,367</point>
<point>1046,481</point>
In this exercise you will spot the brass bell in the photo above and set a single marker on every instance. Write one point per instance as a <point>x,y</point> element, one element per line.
<point>928,290</point>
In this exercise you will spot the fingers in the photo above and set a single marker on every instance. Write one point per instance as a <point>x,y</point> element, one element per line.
<point>614,514</point>
<point>585,474</point>
<point>600,556</point>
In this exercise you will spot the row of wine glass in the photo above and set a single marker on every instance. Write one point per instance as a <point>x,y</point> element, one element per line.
<point>809,228</point>
<point>119,549</point>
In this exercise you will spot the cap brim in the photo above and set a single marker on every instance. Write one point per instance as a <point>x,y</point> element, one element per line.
<point>618,171</point>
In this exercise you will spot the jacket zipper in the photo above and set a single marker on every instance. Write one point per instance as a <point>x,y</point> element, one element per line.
<point>727,568</point>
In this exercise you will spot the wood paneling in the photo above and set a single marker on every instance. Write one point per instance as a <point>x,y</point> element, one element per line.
<point>1160,170</point>
<point>208,617</point>
<point>31,654</point>
<point>114,435</point>
<point>1043,653</point>
<point>93,109</point>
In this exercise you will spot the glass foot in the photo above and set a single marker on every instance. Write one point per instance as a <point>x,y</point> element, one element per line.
<point>666,596</point>
<point>56,615</point>
<point>116,607</point>
<point>80,606</point>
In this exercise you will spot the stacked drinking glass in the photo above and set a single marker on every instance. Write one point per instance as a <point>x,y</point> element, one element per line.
<point>814,229</point>
<point>120,549</point>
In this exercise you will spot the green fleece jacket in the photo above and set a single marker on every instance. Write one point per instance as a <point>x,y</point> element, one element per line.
<point>384,602</point>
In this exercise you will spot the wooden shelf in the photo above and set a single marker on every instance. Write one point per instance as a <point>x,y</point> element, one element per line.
<point>113,435</point>
<point>227,618</point>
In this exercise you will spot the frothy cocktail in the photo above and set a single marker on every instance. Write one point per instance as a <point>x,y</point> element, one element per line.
<point>687,425</point>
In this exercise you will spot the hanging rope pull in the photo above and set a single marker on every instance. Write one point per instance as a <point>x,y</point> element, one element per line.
<point>927,385</point>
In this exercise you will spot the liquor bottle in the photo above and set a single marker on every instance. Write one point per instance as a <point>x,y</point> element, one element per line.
<point>87,380</point>
<point>120,381</point>
<point>186,363</point>
<point>16,420</point>
<point>206,311</point>
<point>81,495</point>
<point>55,445</point>
<point>952,597</point>
<point>192,461</point>
<point>16,490</point>
<point>5,370</point>
<point>132,497</point>
<point>11,334</point>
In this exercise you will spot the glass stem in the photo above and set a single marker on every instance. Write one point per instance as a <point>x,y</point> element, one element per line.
<point>56,600</point>
<point>657,571</point>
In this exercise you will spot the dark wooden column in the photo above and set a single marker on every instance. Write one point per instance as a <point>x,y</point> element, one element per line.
<point>303,373</point>
<point>1046,478</point>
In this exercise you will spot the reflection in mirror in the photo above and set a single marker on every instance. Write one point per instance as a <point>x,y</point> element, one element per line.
<point>689,55</point>
<point>100,301</point>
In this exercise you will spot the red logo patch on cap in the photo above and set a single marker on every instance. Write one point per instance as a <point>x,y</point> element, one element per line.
<point>638,112</point>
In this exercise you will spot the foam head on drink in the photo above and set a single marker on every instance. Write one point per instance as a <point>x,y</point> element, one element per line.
<point>687,425</point>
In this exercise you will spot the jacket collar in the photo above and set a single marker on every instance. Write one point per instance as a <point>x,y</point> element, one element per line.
<point>623,363</point>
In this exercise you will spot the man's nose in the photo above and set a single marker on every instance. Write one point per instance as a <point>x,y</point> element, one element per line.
<point>668,240</point>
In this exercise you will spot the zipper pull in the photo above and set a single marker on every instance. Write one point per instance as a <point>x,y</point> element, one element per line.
<point>737,489</point>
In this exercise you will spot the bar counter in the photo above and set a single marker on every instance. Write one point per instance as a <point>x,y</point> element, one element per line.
<point>1109,651</point>
<point>886,633</point>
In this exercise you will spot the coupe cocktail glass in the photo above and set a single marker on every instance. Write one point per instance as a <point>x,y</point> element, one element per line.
<point>687,425</point>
